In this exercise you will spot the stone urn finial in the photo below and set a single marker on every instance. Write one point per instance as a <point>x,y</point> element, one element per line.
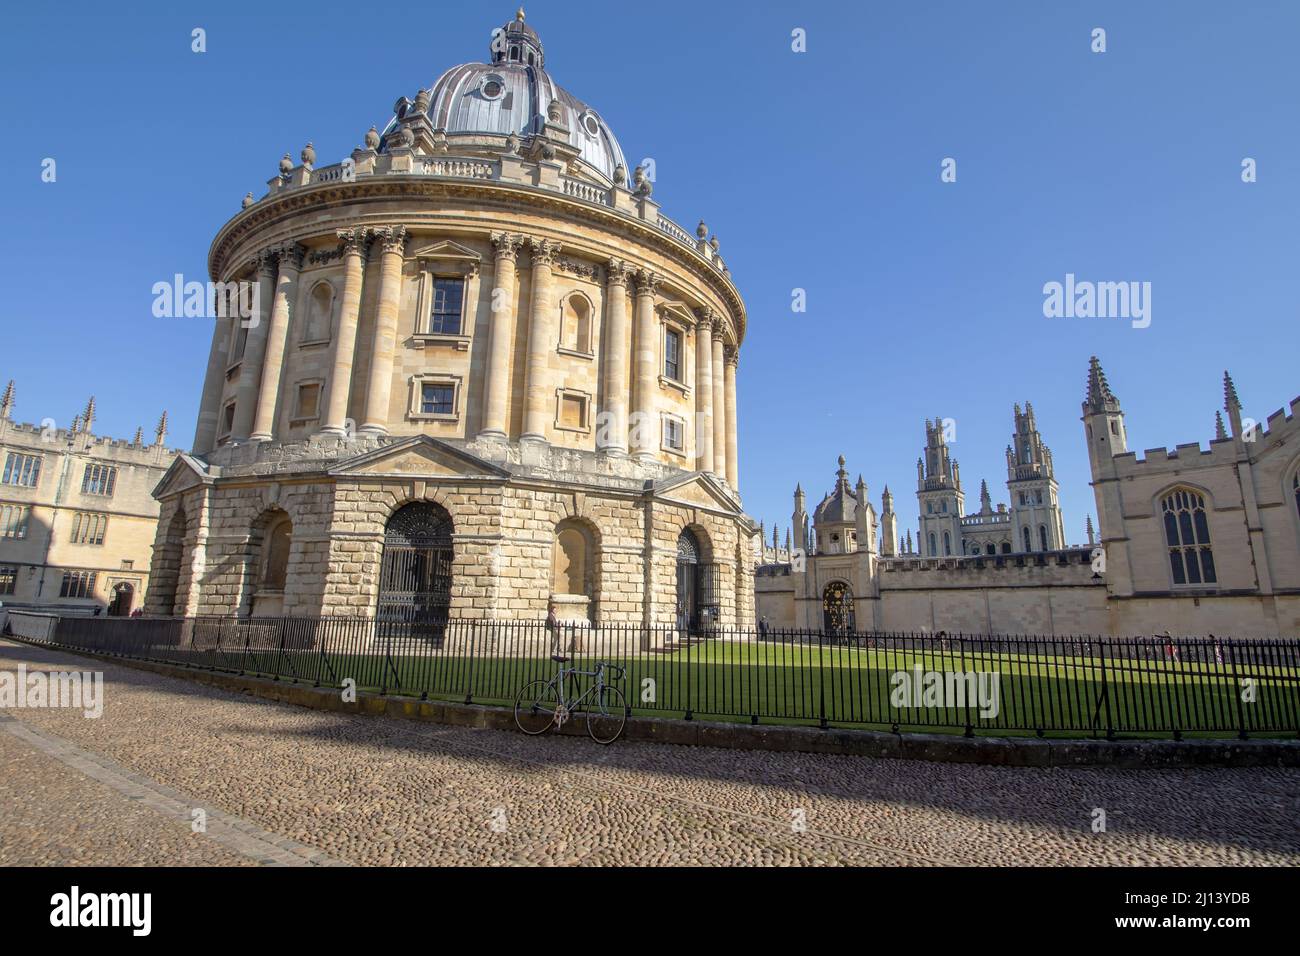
<point>308,155</point>
<point>248,200</point>
<point>702,231</point>
<point>553,111</point>
<point>620,174</point>
<point>422,101</point>
<point>512,144</point>
<point>286,165</point>
<point>642,184</point>
<point>372,138</point>
<point>713,243</point>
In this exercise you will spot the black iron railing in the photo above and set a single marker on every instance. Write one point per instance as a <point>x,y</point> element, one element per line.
<point>1075,686</point>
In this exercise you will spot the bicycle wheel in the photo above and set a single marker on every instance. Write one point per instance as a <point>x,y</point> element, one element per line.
<point>606,715</point>
<point>535,707</point>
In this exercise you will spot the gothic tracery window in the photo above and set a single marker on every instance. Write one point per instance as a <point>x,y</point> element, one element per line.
<point>1187,535</point>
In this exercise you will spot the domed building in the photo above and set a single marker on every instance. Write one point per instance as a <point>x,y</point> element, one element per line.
<point>484,374</point>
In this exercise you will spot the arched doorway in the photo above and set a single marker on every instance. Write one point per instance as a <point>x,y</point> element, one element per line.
<point>837,609</point>
<point>415,574</point>
<point>123,596</point>
<point>690,581</point>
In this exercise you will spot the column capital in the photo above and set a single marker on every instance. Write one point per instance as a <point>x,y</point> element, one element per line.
<point>647,282</point>
<point>618,272</point>
<point>719,326</point>
<point>393,238</point>
<point>354,241</point>
<point>263,262</point>
<point>290,254</point>
<point>506,245</point>
<point>731,355</point>
<point>544,251</point>
<point>705,317</point>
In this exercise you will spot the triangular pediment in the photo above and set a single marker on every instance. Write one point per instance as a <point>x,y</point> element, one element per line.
<point>445,249</point>
<point>185,472</point>
<point>699,490</point>
<point>419,457</point>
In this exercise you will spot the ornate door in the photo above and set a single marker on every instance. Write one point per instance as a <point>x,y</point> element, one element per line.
<point>837,609</point>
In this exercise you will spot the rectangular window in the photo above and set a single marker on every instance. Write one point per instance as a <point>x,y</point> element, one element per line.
<point>437,400</point>
<point>78,584</point>
<point>89,528</point>
<point>308,401</point>
<point>22,470</point>
<point>673,434</point>
<point>99,480</point>
<point>13,520</point>
<point>573,411</point>
<point>8,579</point>
<point>448,295</point>
<point>673,355</point>
<point>228,422</point>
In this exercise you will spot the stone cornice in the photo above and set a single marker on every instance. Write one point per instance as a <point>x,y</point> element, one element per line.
<point>280,210</point>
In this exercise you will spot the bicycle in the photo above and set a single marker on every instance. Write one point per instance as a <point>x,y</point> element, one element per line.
<point>543,704</point>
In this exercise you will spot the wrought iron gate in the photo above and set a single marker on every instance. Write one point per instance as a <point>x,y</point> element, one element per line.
<point>416,573</point>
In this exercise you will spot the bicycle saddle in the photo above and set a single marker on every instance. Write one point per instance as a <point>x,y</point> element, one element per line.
<point>558,659</point>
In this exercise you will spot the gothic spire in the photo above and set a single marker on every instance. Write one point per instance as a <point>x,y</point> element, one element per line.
<point>7,402</point>
<point>1099,398</point>
<point>1219,432</point>
<point>88,415</point>
<point>160,432</point>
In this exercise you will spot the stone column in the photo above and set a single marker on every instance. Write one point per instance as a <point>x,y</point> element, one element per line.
<point>733,461</point>
<point>344,347</point>
<point>286,289</point>
<point>719,402</point>
<point>214,381</point>
<point>612,437</point>
<point>496,400</point>
<point>704,391</point>
<point>539,393</point>
<point>384,345</point>
<point>645,437</point>
<point>250,363</point>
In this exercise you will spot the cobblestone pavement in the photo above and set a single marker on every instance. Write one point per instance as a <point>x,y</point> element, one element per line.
<point>320,787</point>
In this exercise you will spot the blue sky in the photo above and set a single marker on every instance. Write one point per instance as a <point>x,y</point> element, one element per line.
<point>817,170</point>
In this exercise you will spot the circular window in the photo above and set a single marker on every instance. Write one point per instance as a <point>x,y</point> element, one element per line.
<point>493,87</point>
<point>591,125</point>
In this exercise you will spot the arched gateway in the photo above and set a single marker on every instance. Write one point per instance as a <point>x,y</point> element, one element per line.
<point>415,576</point>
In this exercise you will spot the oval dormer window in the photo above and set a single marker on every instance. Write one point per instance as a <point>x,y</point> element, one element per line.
<point>591,125</point>
<point>492,87</point>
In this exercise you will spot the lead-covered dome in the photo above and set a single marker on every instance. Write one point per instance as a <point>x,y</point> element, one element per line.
<point>513,94</point>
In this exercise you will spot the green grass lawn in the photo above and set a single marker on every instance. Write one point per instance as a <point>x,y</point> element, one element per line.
<point>848,686</point>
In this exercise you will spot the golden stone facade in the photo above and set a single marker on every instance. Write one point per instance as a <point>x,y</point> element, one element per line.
<point>484,317</point>
<point>77,514</point>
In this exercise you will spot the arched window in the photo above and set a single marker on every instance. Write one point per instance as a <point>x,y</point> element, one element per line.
<point>991,549</point>
<point>1028,539</point>
<point>1042,536</point>
<point>575,324</point>
<point>947,543</point>
<point>1187,534</point>
<point>320,311</point>
<point>275,554</point>
<point>934,551</point>
<point>1006,547</point>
